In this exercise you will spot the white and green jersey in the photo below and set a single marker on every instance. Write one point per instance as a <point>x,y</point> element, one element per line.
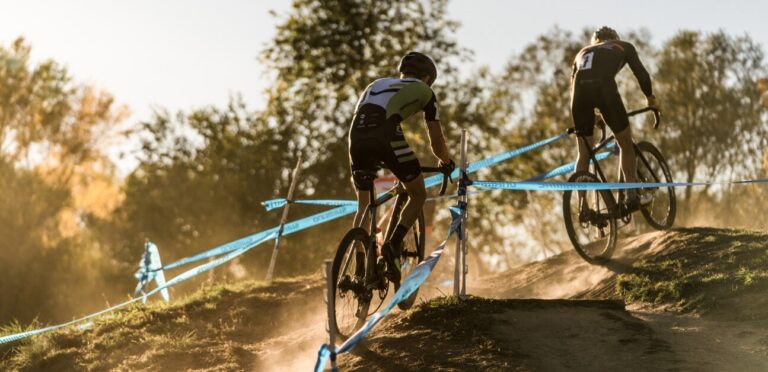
<point>387,102</point>
<point>375,136</point>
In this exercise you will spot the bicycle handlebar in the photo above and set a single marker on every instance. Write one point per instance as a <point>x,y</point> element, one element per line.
<point>656,115</point>
<point>446,176</point>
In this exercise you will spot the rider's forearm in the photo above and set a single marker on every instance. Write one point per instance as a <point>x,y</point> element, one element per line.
<point>437,141</point>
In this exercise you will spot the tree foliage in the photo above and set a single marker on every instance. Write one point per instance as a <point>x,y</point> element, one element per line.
<point>204,172</point>
<point>53,174</point>
<point>716,125</point>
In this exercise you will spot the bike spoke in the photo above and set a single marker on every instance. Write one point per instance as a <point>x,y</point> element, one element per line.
<point>590,222</point>
<point>651,168</point>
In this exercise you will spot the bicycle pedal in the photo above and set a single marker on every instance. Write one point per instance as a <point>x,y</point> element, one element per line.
<point>381,263</point>
<point>393,275</point>
<point>646,199</point>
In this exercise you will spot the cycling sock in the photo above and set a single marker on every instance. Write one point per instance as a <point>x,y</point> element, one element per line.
<point>398,235</point>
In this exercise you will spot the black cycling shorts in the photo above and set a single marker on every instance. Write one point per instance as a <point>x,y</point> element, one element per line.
<point>589,95</point>
<point>395,154</point>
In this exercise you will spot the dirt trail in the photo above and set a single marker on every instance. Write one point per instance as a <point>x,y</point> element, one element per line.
<point>702,344</point>
<point>560,314</point>
<point>548,333</point>
<point>527,335</point>
<point>557,314</point>
<point>565,275</point>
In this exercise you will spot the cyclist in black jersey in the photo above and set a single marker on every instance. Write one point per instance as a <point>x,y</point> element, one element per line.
<point>375,137</point>
<point>594,87</point>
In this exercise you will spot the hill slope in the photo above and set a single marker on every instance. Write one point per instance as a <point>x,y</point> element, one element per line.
<point>246,326</point>
<point>695,301</point>
<point>688,299</point>
<point>703,271</point>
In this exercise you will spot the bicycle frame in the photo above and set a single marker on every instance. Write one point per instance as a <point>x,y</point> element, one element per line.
<point>604,142</point>
<point>370,211</point>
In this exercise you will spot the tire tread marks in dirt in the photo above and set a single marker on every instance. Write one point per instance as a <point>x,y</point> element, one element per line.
<point>518,335</point>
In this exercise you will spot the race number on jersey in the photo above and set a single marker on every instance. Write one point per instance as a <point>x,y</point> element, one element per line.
<point>586,61</point>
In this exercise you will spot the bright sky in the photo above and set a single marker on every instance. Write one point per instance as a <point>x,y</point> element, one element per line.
<point>180,54</point>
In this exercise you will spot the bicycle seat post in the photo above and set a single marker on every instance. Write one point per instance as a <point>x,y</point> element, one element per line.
<point>365,179</point>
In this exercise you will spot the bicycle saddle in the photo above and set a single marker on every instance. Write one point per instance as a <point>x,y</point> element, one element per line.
<point>365,175</point>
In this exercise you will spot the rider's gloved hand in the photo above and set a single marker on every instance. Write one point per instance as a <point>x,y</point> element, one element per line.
<point>653,103</point>
<point>448,167</point>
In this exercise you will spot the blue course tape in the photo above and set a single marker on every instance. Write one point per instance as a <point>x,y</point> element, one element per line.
<point>289,228</point>
<point>437,179</point>
<point>189,274</point>
<point>240,246</point>
<point>412,282</point>
<point>485,163</point>
<point>349,206</point>
<point>567,168</point>
<point>273,204</point>
<point>583,186</point>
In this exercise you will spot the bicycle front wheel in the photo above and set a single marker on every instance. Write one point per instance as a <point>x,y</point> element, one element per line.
<point>413,254</point>
<point>589,220</point>
<point>351,298</point>
<point>652,167</point>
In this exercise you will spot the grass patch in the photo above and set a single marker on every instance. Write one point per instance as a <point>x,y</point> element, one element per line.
<point>205,329</point>
<point>700,270</point>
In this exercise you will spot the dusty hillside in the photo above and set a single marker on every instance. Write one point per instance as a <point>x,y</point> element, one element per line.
<point>704,271</point>
<point>689,299</point>
<point>247,326</point>
<point>526,335</point>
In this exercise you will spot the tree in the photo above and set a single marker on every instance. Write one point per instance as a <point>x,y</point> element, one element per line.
<point>44,114</point>
<point>537,85</point>
<point>199,184</point>
<point>326,52</point>
<point>54,174</point>
<point>716,122</point>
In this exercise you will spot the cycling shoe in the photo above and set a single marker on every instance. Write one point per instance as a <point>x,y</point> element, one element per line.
<point>392,258</point>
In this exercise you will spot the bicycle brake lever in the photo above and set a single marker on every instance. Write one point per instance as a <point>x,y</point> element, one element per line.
<point>443,187</point>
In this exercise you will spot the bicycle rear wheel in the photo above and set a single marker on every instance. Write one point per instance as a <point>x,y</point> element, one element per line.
<point>413,254</point>
<point>592,231</point>
<point>351,298</point>
<point>660,213</point>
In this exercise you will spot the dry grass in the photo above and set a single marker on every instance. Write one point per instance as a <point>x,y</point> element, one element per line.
<point>215,328</point>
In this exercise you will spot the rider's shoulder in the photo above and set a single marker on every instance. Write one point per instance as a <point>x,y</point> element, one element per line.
<point>584,50</point>
<point>625,46</point>
<point>417,85</point>
<point>383,80</point>
<point>626,43</point>
<point>415,81</point>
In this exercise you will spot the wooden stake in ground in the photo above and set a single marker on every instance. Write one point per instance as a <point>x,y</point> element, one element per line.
<point>283,219</point>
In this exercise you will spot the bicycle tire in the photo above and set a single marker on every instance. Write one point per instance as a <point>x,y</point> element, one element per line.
<point>671,208</point>
<point>416,235</point>
<point>606,214</point>
<point>346,327</point>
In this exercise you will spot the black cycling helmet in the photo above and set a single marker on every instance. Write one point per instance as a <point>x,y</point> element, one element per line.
<point>605,33</point>
<point>418,64</point>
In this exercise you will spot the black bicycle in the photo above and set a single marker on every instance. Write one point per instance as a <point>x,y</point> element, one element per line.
<point>359,272</point>
<point>592,227</point>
